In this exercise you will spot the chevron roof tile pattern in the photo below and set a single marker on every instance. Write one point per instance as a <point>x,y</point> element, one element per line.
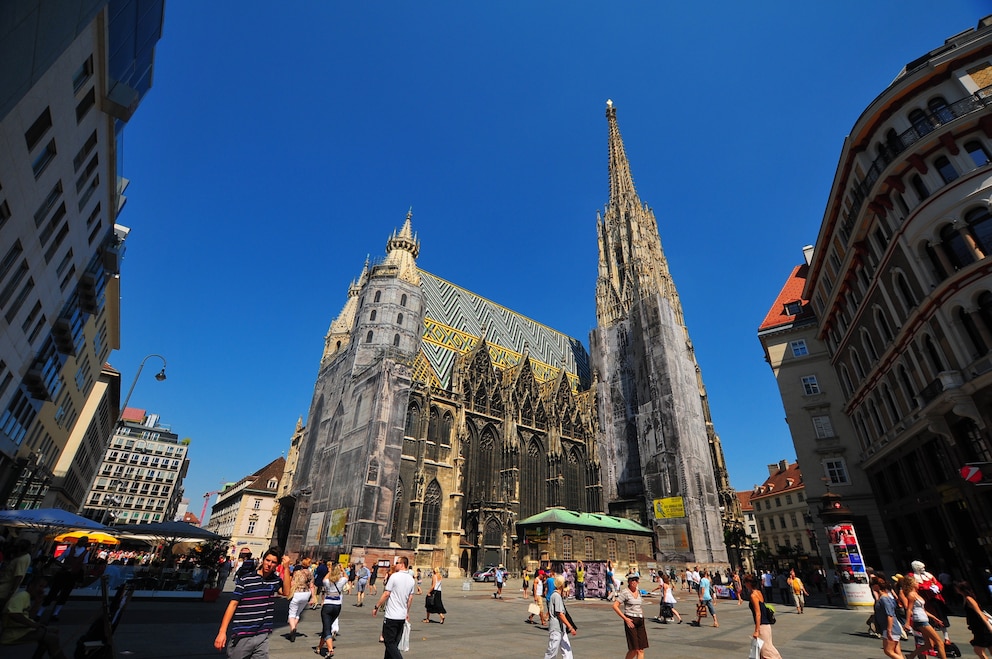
<point>455,320</point>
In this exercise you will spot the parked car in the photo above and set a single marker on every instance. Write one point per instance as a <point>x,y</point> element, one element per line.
<point>488,574</point>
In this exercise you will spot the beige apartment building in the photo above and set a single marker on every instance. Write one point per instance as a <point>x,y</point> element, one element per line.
<point>245,512</point>
<point>782,515</point>
<point>826,445</point>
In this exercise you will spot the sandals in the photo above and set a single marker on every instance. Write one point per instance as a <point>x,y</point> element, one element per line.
<point>426,620</point>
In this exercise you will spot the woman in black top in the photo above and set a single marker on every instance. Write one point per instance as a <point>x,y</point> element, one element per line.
<point>762,623</point>
<point>979,625</point>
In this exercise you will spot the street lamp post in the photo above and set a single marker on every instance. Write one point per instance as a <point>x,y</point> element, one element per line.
<point>160,376</point>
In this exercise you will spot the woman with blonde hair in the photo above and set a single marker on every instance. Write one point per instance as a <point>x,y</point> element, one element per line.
<point>434,603</point>
<point>334,586</point>
<point>918,620</point>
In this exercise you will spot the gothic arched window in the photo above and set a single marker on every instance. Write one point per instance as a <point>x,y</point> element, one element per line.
<point>396,339</point>
<point>533,479</point>
<point>403,300</point>
<point>486,467</point>
<point>412,421</point>
<point>430,522</point>
<point>399,319</point>
<point>493,535</point>
<point>396,534</point>
<point>574,482</point>
<point>446,424</point>
<point>368,337</point>
<point>372,315</point>
<point>378,296</point>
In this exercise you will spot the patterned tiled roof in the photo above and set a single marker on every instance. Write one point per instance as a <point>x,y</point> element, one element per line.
<point>791,292</point>
<point>455,320</point>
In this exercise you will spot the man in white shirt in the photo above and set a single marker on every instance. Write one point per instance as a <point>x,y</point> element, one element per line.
<point>397,596</point>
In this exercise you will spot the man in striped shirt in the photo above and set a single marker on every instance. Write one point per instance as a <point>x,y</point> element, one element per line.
<point>250,612</point>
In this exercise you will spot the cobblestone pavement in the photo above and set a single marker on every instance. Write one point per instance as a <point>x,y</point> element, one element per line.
<point>479,626</point>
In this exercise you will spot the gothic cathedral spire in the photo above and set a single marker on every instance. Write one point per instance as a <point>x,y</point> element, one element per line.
<point>657,441</point>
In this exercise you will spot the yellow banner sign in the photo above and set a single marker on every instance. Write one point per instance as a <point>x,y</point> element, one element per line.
<point>669,508</point>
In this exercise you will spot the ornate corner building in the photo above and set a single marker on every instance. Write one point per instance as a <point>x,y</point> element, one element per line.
<point>900,284</point>
<point>441,419</point>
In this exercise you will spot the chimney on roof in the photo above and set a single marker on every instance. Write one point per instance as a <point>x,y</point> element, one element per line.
<point>808,254</point>
<point>777,467</point>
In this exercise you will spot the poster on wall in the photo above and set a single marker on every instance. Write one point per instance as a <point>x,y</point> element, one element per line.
<point>850,564</point>
<point>669,508</point>
<point>313,529</point>
<point>336,527</point>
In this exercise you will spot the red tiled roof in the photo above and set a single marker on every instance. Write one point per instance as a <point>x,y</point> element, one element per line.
<point>792,291</point>
<point>745,500</point>
<point>783,480</point>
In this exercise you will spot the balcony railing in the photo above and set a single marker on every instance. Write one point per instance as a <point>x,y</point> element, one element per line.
<point>922,127</point>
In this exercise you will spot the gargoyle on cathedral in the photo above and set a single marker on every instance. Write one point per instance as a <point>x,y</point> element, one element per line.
<point>440,419</point>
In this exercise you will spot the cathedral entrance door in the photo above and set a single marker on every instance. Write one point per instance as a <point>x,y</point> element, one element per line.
<point>492,557</point>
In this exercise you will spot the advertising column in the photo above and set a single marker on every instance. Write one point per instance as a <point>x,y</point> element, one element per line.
<point>845,551</point>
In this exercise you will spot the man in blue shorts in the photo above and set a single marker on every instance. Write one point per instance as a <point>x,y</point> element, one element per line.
<point>250,612</point>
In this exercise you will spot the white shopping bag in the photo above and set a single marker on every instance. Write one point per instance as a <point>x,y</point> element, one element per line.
<point>405,638</point>
<point>755,652</point>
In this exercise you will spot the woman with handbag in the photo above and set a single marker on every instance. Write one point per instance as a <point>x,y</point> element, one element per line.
<point>434,603</point>
<point>334,584</point>
<point>762,619</point>
<point>920,620</point>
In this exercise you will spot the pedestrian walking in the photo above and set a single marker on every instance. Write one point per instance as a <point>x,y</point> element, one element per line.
<point>886,624</point>
<point>363,575</point>
<point>558,626</point>
<point>735,580</point>
<point>499,577</point>
<point>433,601</point>
<point>978,624</point>
<point>705,599</point>
<point>629,606</point>
<point>224,571</point>
<point>920,620</point>
<point>782,583</point>
<point>374,574</point>
<point>534,608</point>
<point>420,590</point>
<point>333,586</point>
<point>768,582</point>
<point>762,618</point>
<point>397,595</point>
<point>668,600</point>
<point>73,567</point>
<point>580,581</point>
<point>247,621</point>
<point>303,593</point>
<point>610,586</point>
<point>799,591</point>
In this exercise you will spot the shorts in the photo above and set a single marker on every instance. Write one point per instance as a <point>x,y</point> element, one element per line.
<point>637,638</point>
<point>544,606</point>
<point>890,637</point>
<point>361,585</point>
<point>709,606</point>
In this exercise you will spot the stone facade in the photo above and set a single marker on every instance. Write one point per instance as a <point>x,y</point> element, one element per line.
<point>438,419</point>
<point>657,435</point>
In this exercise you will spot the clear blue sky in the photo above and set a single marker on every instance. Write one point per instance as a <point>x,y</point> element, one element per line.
<point>279,146</point>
